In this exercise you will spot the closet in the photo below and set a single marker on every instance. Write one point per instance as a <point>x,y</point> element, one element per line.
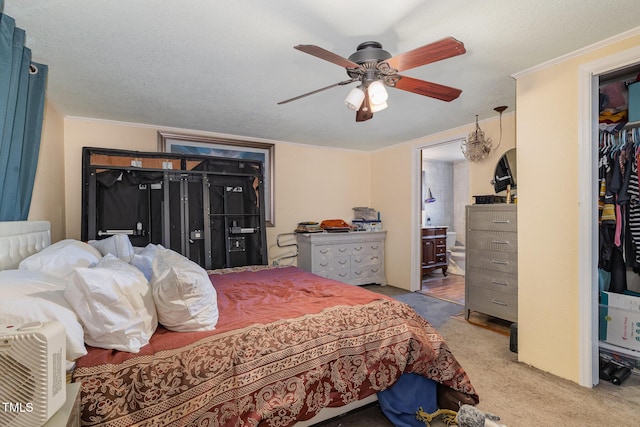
<point>209,209</point>
<point>619,217</point>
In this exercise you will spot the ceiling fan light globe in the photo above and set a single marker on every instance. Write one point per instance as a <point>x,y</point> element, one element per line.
<point>378,107</point>
<point>354,99</point>
<point>377,93</point>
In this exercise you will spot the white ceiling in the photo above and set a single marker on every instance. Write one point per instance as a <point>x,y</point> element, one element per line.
<point>222,66</point>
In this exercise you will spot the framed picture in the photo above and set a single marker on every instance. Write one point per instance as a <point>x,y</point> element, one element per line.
<point>230,148</point>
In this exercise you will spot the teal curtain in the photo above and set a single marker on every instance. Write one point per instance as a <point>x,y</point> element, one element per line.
<point>22,88</point>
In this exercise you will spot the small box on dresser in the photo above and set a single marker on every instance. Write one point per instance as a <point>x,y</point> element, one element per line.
<point>356,258</point>
<point>491,277</point>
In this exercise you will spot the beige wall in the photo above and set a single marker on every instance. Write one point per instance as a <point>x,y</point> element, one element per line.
<point>47,202</point>
<point>548,212</point>
<point>311,183</point>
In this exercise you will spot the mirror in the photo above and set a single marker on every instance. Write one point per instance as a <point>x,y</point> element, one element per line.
<point>506,172</point>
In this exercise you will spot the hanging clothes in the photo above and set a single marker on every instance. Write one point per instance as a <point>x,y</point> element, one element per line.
<point>607,216</point>
<point>619,230</point>
<point>633,243</point>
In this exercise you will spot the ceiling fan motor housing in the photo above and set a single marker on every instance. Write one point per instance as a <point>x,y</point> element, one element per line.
<point>368,55</point>
<point>369,52</point>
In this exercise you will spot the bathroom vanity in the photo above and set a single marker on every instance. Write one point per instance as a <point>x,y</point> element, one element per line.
<point>434,249</point>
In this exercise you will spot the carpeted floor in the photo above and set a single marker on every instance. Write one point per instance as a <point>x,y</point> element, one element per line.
<point>436,311</point>
<point>521,395</point>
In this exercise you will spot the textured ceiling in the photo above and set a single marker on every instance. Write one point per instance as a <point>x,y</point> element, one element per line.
<point>222,66</point>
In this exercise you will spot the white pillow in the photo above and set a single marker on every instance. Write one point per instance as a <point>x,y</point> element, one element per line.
<point>30,296</point>
<point>184,295</point>
<point>143,258</point>
<point>61,258</point>
<point>118,245</point>
<point>114,303</point>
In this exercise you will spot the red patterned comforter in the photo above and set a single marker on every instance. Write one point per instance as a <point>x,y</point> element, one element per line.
<point>288,343</point>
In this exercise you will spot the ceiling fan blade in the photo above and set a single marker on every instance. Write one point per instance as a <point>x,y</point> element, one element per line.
<point>346,82</point>
<point>433,90</point>
<point>433,52</point>
<point>364,113</point>
<point>326,55</point>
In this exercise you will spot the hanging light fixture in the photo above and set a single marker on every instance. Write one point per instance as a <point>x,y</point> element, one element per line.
<point>355,98</point>
<point>378,107</point>
<point>477,146</point>
<point>430,198</point>
<point>377,93</point>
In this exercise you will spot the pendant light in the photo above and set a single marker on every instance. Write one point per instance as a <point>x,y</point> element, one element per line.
<point>476,147</point>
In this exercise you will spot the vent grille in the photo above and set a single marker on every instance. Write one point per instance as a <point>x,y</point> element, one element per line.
<point>23,388</point>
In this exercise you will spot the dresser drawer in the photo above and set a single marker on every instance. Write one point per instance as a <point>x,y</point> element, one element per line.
<point>492,280</point>
<point>361,272</point>
<point>331,263</point>
<point>499,241</point>
<point>506,262</point>
<point>342,275</point>
<point>492,220</point>
<point>365,259</point>
<point>366,248</point>
<point>332,250</point>
<point>498,304</point>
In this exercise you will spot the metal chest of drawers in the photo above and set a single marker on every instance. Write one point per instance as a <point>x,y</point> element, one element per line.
<point>491,277</point>
<point>356,258</point>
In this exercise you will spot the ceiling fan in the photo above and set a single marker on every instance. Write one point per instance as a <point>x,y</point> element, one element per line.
<point>374,68</point>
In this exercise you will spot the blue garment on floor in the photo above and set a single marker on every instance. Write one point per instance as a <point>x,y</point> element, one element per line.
<point>401,401</point>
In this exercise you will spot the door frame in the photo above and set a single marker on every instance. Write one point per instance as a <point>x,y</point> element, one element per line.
<point>588,94</point>
<point>416,212</point>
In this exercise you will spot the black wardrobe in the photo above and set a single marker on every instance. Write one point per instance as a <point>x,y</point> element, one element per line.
<point>209,209</point>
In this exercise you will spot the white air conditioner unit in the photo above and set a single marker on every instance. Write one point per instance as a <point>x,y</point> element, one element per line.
<point>32,373</point>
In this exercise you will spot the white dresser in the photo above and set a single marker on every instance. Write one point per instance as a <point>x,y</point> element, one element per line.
<point>491,277</point>
<point>356,257</point>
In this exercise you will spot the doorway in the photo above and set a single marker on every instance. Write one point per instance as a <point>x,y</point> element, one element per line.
<point>589,77</point>
<point>444,176</point>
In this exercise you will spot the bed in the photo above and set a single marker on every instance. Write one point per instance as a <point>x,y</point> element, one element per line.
<point>289,348</point>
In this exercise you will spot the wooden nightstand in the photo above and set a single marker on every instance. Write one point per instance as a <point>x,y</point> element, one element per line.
<point>69,414</point>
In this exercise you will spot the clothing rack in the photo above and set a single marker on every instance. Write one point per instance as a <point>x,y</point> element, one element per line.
<point>617,140</point>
